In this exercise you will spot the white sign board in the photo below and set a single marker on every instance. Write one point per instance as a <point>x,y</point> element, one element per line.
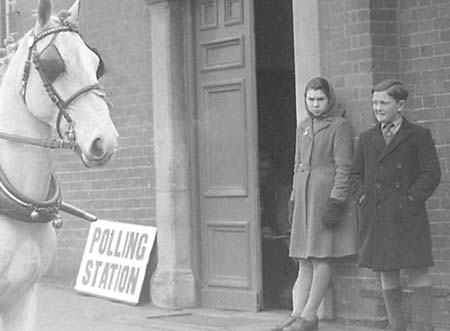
<point>115,260</point>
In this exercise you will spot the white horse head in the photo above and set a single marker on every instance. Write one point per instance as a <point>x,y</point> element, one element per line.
<point>49,88</point>
<point>71,71</point>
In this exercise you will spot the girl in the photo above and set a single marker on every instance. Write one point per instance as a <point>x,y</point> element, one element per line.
<point>321,229</point>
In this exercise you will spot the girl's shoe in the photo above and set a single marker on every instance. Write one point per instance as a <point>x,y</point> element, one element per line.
<point>304,325</point>
<point>288,321</point>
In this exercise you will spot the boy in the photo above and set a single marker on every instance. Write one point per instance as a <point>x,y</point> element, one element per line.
<point>395,170</point>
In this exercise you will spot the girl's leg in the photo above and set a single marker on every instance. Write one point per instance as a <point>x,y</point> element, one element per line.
<point>320,280</point>
<point>390,280</point>
<point>302,287</point>
<point>300,293</point>
<point>420,281</point>
<point>392,295</point>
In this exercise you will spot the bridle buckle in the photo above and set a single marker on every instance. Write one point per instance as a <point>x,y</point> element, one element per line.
<point>54,98</point>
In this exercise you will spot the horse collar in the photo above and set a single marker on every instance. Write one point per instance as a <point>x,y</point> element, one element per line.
<point>23,208</point>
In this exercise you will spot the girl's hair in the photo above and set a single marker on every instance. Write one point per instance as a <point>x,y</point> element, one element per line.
<point>319,83</point>
<point>394,88</point>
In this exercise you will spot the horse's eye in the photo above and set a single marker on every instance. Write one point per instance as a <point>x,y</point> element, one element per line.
<point>51,62</point>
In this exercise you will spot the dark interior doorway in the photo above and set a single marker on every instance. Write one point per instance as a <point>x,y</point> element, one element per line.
<point>276,134</point>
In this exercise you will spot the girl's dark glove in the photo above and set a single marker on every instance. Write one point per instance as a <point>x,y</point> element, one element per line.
<point>290,211</point>
<point>334,213</point>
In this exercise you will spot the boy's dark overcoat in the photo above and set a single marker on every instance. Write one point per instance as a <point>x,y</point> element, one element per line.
<point>397,179</point>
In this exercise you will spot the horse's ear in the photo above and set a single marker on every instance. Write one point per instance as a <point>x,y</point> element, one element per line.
<point>44,12</point>
<point>75,11</point>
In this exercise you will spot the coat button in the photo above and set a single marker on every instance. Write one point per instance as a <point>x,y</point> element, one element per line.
<point>397,185</point>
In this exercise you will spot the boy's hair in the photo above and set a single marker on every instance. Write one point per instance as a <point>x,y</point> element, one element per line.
<point>394,88</point>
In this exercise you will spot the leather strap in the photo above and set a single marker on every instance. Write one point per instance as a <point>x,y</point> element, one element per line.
<point>46,143</point>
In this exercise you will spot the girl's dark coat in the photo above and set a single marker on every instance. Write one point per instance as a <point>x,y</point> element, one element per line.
<point>322,162</point>
<point>396,179</point>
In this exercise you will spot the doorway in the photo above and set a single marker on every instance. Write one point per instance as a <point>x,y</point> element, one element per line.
<point>276,108</point>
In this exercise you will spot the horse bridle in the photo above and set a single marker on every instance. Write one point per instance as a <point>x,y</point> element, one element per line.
<point>31,210</point>
<point>35,57</point>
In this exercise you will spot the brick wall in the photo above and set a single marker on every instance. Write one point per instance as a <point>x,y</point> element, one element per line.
<point>124,189</point>
<point>347,60</point>
<point>364,42</point>
<point>346,55</point>
<point>424,34</point>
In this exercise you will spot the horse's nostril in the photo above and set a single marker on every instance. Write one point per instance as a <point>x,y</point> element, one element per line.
<point>97,149</point>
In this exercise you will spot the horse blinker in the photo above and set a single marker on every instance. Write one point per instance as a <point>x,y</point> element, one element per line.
<point>51,62</point>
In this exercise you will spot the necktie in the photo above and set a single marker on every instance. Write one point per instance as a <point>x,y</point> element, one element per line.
<point>388,133</point>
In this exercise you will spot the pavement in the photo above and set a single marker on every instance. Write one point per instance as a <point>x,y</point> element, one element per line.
<point>60,308</point>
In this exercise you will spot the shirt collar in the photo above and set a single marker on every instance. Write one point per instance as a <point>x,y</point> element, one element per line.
<point>397,123</point>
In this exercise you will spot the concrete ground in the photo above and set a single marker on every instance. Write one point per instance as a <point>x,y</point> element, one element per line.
<point>62,309</point>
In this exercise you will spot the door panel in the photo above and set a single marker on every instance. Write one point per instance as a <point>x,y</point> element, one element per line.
<point>227,163</point>
<point>224,114</point>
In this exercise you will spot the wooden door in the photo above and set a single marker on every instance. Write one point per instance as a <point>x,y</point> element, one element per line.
<point>227,162</point>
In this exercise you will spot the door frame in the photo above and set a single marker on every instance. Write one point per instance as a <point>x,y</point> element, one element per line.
<point>175,282</point>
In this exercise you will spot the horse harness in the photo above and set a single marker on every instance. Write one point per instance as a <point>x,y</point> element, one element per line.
<point>50,65</point>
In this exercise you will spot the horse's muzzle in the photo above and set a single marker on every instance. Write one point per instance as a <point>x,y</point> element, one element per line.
<point>99,153</point>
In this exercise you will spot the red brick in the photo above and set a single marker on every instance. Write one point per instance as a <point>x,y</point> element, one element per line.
<point>425,13</point>
<point>404,4</point>
<point>363,15</point>
<point>410,53</point>
<point>425,38</point>
<point>444,9</point>
<point>355,29</point>
<point>386,66</point>
<point>409,27</point>
<point>427,64</point>
<point>355,4</point>
<point>385,40</point>
<point>445,35</point>
<point>358,54</point>
<point>441,23</point>
<point>405,40</point>
<point>446,61</point>
<point>426,51</point>
<point>442,48</point>
<point>443,130</point>
<point>383,14</point>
